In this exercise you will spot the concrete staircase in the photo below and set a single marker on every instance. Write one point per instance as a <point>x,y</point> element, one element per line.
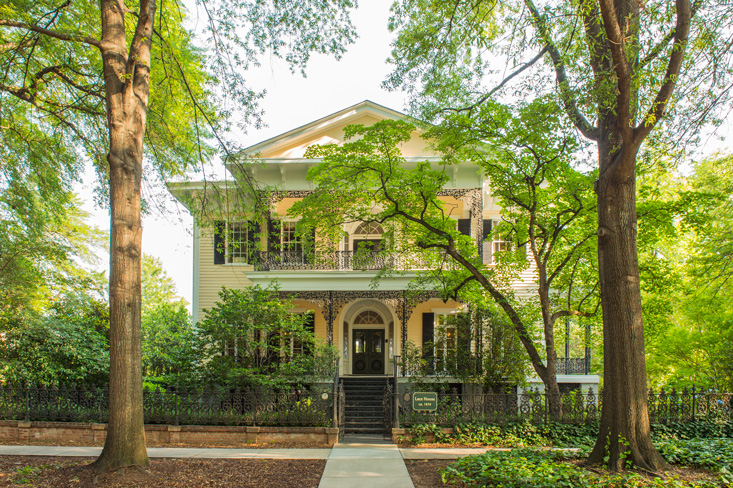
<point>364,412</point>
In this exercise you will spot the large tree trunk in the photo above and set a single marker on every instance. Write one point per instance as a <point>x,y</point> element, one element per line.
<point>127,76</point>
<point>625,434</point>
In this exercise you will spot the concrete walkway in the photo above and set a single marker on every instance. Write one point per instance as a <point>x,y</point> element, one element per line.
<point>365,462</point>
<point>357,462</point>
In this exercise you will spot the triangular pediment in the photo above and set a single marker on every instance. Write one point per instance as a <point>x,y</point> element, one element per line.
<point>330,130</point>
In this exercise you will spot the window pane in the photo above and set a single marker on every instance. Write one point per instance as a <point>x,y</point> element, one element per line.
<point>377,341</point>
<point>359,342</point>
<point>238,244</point>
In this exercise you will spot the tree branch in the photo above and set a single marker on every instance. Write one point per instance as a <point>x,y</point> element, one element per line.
<point>656,111</point>
<point>616,44</point>
<point>566,94</point>
<point>51,33</point>
<point>498,87</point>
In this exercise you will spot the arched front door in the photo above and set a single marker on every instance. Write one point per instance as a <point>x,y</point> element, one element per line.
<point>368,343</point>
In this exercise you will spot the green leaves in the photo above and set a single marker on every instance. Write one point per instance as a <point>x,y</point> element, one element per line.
<point>250,338</point>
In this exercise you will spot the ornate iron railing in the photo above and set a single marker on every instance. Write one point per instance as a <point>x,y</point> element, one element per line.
<point>334,261</point>
<point>221,406</point>
<point>573,365</point>
<point>576,407</point>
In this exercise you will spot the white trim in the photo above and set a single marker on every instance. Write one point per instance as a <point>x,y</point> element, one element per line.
<point>329,280</point>
<point>196,271</point>
<point>323,123</point>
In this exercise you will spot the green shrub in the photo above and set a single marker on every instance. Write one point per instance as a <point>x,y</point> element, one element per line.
<point>693,430</point>
<point>539,469</point>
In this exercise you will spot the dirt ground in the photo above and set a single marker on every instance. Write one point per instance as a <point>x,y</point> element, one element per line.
<point>58,472</point>
<point>65,472</point>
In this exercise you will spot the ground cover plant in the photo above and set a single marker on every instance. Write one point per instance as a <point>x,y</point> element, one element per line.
<point>688,447</point>
<point>543,468</point>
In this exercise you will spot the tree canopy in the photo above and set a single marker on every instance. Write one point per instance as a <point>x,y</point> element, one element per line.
<point>619,69</point>
<point>109,82</point>
<point>548,219</point>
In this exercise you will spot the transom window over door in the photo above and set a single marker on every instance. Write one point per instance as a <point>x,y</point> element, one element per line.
<point>368,317</point>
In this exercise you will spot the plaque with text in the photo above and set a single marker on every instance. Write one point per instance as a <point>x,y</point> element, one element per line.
<point>425,401</point>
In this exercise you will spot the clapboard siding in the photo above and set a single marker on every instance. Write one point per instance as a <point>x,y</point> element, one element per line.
<point>213,276</point>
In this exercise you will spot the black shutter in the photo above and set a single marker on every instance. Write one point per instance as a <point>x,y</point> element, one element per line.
<point>309,325</point>
<point>253,240</point>
<point>219,242</point>
<point>309,248</point>
<point>428,331</point>
<point>273,235</point>
<point>487,229</point>
<point>464,227</point>
<point>486,242</point>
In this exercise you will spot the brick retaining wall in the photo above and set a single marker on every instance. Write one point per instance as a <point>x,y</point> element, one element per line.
<point>214,435</point>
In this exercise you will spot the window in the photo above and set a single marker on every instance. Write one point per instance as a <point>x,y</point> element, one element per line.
<point>445,341</point>
<point>368,236</point>
<point>290,240</point>
<point>284,243</point>
<point>239,243</point>
<point>234,242</point>
<point>368,317</point>
<point>496,243</point>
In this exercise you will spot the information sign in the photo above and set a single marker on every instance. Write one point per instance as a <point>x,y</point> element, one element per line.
<point>425,401</point>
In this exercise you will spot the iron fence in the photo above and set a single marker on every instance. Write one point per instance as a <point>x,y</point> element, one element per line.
<point>220,406</point>
<point>576,407</point>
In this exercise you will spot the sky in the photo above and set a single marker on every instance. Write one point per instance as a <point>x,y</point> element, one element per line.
<point>291,101</point>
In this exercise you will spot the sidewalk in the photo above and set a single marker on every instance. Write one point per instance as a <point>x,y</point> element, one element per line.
<point>358,462</point>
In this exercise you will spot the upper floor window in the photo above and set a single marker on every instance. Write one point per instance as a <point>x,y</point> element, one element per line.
<point>234,242</point>
<point>494,244</point>
<point>289,238</point>
<point>368,235</point>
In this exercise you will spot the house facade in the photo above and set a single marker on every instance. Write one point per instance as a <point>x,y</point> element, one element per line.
<point>369,322</point>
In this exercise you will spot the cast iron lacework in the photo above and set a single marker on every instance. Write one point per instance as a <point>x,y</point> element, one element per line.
<point>473,198</point>
<point>331,302</point>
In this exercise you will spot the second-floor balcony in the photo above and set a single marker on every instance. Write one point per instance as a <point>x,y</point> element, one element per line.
<point>334,261</point>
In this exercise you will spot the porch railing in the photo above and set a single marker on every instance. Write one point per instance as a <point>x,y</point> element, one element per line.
<point>574,365</point>
<point>335,261</point>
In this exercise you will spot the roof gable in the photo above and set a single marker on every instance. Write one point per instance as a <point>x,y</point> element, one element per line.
<point>330,130</point>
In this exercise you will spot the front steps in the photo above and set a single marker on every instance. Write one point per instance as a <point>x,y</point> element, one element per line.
<point>364,412</point>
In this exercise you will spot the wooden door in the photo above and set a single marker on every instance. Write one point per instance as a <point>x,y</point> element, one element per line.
<point>368,351</point>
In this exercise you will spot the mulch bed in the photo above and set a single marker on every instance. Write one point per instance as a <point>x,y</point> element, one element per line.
<point>425,472</point>
<point>58,472</point>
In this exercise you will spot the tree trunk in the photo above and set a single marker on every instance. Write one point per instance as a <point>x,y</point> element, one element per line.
<point>625,434</point>
<point>127,76</point>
